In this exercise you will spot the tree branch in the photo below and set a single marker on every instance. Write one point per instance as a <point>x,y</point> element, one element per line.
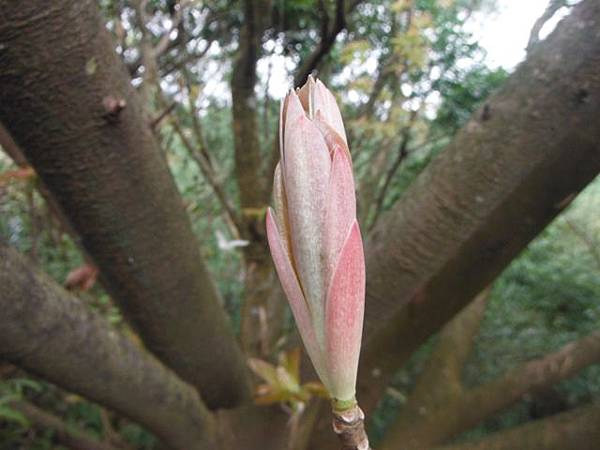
<point>205,166</point>
<point>16,154</point>
<point>104,167</point>
<point>328,36</point>
<point>50,333</point>
<point>401,155</point>
<point>462,412</point>
<point>249,170</point>
<point>442,376</point>
<point>63,433</point>
<point>573,430</point>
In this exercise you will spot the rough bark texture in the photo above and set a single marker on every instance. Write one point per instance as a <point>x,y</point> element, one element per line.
<point>573,430</point>
<point>62,86</point>
<point>504,177</point>
<point>50,333</point>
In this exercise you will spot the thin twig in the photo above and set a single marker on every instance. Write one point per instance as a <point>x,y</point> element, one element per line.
<point>158,119</point>
<point>210,176</point>
<point>328,36</point>
<point>400,157</point>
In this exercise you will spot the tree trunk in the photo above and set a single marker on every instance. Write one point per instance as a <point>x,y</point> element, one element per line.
<point>253,183</point>
<point>50,333</point>
<point>67,101</point>
<point>504,177</point>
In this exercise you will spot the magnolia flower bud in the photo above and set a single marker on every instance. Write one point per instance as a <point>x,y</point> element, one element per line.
<point>314,236</point>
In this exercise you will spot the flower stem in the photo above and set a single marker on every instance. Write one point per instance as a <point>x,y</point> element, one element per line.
<point>349,425</point>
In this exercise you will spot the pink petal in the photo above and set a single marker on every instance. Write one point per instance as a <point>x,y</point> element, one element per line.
<point>344,317</point>
<point>306,178</point>
<point>293,292</point>
<point>340,210</point>
<point>290,110</point>
<point>282,108</point>
<point>304,94</point>
<point>324,101</point>
<point>281,210</point>
<point>334,141</point>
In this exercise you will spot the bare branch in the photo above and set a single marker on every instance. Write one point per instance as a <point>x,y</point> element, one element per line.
<point>400,157</point>
<point>165,41</point>
<point>573,430</point>
<point>206,168</point>
<point>63,433</point>
<point>165,112</point>
<point>328,36</point>
<point>461,412</point>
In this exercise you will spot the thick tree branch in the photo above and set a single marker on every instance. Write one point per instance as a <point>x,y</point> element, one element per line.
<point>441,380</point>
<point>83,132</point>
<point>573,430</point>
<point>50,333</point>
<point>479,203</point>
